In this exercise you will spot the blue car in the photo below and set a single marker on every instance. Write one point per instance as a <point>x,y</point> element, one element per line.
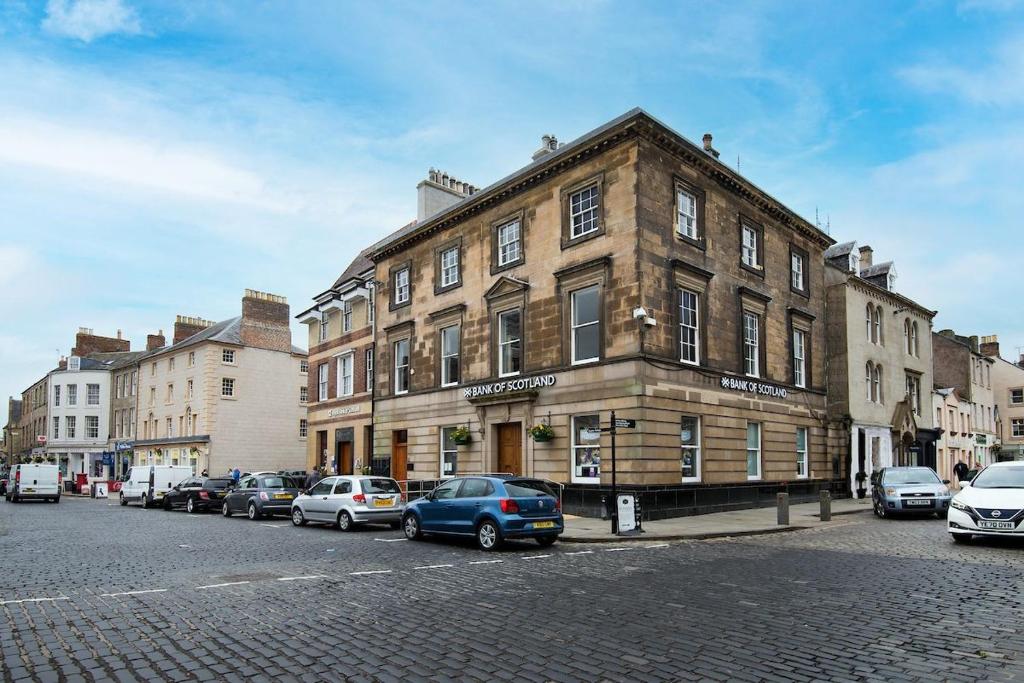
<point>490,509</point>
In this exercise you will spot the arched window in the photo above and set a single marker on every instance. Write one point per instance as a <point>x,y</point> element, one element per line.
<point>906,337</point>
<point>913,339</point>
<point>876,390</point>
<point>878,339</point>
<point>868,314</point>
<point>869,374</point>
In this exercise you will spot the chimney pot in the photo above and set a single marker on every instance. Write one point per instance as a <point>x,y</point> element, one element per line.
<point>866,254</point>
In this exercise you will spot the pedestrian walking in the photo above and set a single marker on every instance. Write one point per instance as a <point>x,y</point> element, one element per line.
<point>205,474</point>
<point>960,470</point>
<point>312,478</point>
<point>236,474</point>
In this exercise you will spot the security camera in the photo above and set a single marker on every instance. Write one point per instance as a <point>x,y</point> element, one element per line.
<point>639,313</point>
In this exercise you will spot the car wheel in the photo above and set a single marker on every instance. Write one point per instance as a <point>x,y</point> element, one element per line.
<point>411,527</point>
<point>879,510</point>
<point>190,505</point>
<point>546,541</point>
<point>124,501</point>
<point>57,499</point>
<point>144,501</point>
<point>225,510</point>
<point>298,519</point>
<point>488,536</point>
<point>345,521</point>
<point>962,538</point>
<point>254,514</point>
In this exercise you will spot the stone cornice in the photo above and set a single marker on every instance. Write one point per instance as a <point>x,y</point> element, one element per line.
<point>864,287</point>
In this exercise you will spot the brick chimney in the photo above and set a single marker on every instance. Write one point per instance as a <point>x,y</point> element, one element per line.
<point>155,341</point>
<point>866,254</point>
<point>62,364</point>
<point>548,144</point>
<point>990,346</point>
<point>265,321</point>
<point>185,326</point>
<point>86,342</point>
<point>438,192</point>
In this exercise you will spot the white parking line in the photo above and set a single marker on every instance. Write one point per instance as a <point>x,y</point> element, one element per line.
<point>391,540</point>
<point>534,557</point>
<point>434,566</point>
<point>366,573</point>
<point>487,562</point>
<point>581,552</point>
<point>303,578</point>
<point>18,602</point>
<point>222,585</point>
<point>116,595</point>
<point>657,545</point>
<point>273,526</point>
<point>615,550</point>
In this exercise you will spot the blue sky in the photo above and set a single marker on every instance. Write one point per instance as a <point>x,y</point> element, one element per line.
<point>158,158</point>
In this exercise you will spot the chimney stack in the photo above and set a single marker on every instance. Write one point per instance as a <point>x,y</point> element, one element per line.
<point>990,346</point>
<point>185,326</point>
<point>62,364</point>
<point>707,145</point>
<point>155,341</point>
<point>265,321</point>
<point>548,144</point>
<point>86,343</point>
<point>438,192</point>
<point>866,254</point>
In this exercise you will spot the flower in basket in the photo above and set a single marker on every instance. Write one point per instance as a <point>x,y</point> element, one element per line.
<point>461,435</point>
<point>542,432</point>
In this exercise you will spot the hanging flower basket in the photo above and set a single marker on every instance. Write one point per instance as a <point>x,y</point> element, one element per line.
<point>542,433</point>
<point>461,436</point>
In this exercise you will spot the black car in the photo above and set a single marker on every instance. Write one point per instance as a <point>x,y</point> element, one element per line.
<point>198,493</point>
<point>261,495</point>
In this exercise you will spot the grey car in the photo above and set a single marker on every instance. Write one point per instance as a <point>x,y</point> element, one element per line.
<point>909,490</point>
<point>261,495</point>
<point>347,500</point>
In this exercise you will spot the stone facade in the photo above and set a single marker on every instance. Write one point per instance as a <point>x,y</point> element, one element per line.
<point>34,414</point>
<point>79,419</point>
<point>960,365</point>
<point>1008,393</point>
<point>707,414</point>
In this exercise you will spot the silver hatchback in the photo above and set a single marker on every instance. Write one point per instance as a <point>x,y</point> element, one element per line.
<point>348,500</point>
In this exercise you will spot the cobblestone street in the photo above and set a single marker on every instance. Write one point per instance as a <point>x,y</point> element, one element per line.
<point>198,597</point>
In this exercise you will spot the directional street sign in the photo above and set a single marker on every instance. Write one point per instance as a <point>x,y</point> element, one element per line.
<point>625,424</point>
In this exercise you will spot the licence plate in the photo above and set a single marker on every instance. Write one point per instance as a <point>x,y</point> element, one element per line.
<point>543,525</point>
<point>30,490</point>
<point>918,502</point>
<point>159,494</point>
<point>282,496</point>
<point>383,502</point>
<point>982,524</point>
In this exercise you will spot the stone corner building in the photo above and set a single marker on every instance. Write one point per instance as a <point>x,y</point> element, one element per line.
<point>630,271</point>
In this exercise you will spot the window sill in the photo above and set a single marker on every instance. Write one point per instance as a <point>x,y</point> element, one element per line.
<point>229,398</point>
<point>754,478</point>
<point>449,385</point>
<point>569,242</point>
<point>586,480</point>
<point>697,242</point>
<point>756,270</point>
<point>585,361</point>
<point>800,292</point>
<point>441,289</point>
<point>690,480</point>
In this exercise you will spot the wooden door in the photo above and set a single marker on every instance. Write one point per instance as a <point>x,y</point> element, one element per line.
<point>510,448</point>
<point>344,457</point>
<point>321,449</point>
<point>399,453</point>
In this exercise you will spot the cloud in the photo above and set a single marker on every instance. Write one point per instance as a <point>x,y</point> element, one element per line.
<point>998,83</point>
<point>88,20</point>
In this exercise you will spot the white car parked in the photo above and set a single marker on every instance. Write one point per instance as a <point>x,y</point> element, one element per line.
<point>992,504</point>
<point>147,484</point>
<point>33,481</point>
<point>349,500</point>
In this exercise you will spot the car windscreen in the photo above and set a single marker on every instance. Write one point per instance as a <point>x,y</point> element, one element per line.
<point>912,475</point>
<point>278,483</point>
<point>528,488</point>
<point>379,485</point>
<point>1000,478</point>
<point>218,484</point>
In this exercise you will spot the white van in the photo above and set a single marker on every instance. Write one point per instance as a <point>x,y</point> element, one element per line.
<point>147,484</point>
<point>33,481</point>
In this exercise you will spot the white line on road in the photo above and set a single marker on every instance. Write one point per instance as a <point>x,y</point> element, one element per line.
<point>303,578</point>
<point>391,540</point>
<point>116,595</point>
<point>434,566</point>
<point>615,550</point>
<point>581,552</point>
<point>18,602</point>
<point>657,545</point>
<point>534,557</point>
<point>487,562</point>
<point>376,571</point>
<point>273,526</point>
<point>222,585</point>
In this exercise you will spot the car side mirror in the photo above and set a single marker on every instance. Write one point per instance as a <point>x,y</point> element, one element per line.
<point>946,482</point>
<point>965,484</point>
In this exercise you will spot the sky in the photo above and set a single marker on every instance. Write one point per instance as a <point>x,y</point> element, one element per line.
<point>157,158</point>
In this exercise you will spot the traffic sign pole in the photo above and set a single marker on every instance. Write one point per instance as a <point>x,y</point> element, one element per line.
<point>615,493</point>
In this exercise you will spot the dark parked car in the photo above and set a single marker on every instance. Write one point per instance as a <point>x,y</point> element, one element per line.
<point>490,509</point>
<point>198,494</point>
<point>261,495</point>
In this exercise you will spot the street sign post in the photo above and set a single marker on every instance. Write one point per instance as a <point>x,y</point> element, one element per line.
<point>616,424</point>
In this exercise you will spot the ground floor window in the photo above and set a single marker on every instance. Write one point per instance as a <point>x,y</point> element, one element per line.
<point>449,453</point>
<point>689,436</point>
<point>801,452</point>
<point>753,450</point>
<point>586,449</point>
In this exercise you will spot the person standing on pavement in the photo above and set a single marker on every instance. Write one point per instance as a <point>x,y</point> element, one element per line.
<point>236,474</point>
<point>311,479</point>
<point>960,470</point>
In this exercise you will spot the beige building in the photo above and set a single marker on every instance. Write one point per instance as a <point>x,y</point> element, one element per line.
<point>880,367</point>
<point>956,443</point>
<point>219,399</point>
<point>960,365</point>
<point>339,393</point>
<point>1008,393</point>
<point>629,271</point>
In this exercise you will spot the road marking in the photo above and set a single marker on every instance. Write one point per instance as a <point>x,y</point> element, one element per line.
<point>581,552</point>
<point>302,578</point>
<point>534,557</point>
<point>18,602</point>
<point>273,526</point>
<point>222,585</point>
<point>391,540</point>
<point>330,550</point>
<point>151,590</point>
<point>615,550</point>
<point>366,573</point>
<point>487,562</point>
<point>184,545</point>
<point>434,566</point>
<point>658,545</point>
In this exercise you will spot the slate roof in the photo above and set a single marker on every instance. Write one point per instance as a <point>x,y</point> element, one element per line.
<point>876,270</point>
<point>226,331</point>
<point>837,250</point>
<point>360,264</point>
